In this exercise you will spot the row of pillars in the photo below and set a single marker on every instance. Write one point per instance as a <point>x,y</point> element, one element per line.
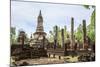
<point>85,45</point>
<point>55,37</point>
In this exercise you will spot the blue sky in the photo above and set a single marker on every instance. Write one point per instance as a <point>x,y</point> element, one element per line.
<point>24,15</point>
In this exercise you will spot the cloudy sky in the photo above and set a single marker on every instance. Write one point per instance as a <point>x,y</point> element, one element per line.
<point>24,15</point>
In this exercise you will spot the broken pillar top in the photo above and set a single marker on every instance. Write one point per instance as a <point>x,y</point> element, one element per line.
<point>72,19</point>
<point>84,20</point>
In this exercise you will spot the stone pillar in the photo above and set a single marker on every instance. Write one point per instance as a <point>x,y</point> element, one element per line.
<point>84,34</point>
<point>55,37</point>
<point>59,57</point>
<point>67,43</point>
<point>62,35</point>
<point>72,33</point>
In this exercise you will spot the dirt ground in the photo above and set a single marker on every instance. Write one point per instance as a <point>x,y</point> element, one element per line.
<point>50,60</point>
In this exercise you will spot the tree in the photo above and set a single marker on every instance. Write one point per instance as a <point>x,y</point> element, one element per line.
<point>79,33</point>
<point>91,26</point>
<point>13,35</point>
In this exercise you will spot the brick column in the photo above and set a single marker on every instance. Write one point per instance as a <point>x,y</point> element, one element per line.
<point>72,33</point>
<point>84,35</point>
<point>62,35</point>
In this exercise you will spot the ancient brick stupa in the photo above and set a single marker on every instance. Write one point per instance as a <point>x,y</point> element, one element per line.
<point>39,39</point>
